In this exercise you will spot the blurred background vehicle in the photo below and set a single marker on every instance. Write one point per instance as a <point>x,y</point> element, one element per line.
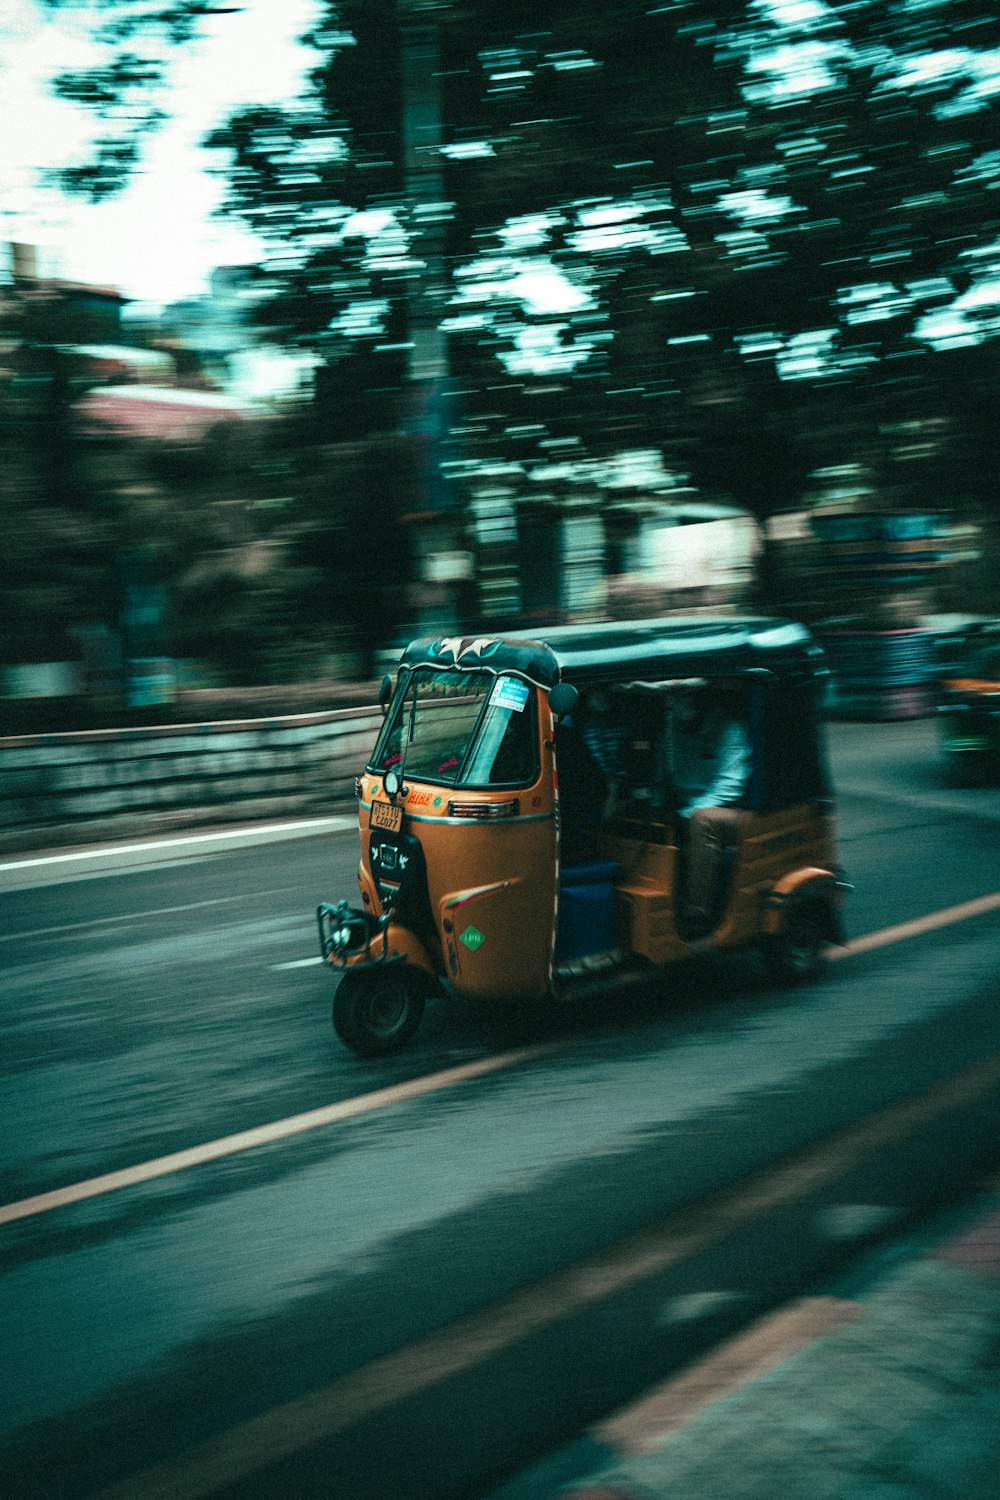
<point>969,708</point>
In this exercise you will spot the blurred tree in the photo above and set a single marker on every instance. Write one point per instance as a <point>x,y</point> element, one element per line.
<point>761,237</point>
<point>764,212</point>
<point>60,517</point>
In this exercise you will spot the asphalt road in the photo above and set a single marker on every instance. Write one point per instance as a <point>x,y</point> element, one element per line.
<point>434,1278</point>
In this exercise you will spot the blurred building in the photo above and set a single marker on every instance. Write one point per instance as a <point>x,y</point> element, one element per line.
<point>221,332</point>
<point>99,416</point>
<point>872,581</point>
<point>112,363</point>
<point>159,413</point>
<point>36,306</point>
<point>617,538</point>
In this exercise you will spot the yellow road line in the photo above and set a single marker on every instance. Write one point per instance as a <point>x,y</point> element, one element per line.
<point>242,1451</point>
<point>263,1135</point>
<point>930,923</point>
<point>346,1109</point>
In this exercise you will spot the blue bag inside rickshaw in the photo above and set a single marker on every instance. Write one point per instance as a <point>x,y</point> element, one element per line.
<point>588,921</point>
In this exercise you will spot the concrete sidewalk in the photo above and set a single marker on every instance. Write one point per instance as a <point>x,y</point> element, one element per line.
<point>887,1387</point>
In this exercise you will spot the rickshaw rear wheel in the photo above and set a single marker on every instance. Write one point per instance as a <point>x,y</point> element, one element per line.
<point>376,1011</point>
<point>797,954</point>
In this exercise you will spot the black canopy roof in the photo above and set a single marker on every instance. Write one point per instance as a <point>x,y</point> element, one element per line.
<point>632,650</point>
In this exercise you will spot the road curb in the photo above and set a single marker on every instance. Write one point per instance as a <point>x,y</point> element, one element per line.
<point>903,1397</point>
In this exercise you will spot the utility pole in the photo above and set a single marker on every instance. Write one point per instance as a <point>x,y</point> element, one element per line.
<point>438,549</point>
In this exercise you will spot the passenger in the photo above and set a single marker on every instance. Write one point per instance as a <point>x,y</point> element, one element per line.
<point>709,753</point>
<point>606,737</point>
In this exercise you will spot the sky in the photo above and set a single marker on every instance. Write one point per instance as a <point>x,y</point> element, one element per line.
<point>157,242</point>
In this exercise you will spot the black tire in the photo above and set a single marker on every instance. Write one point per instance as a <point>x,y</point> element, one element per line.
<point>377,1010</point>
<point>797,955</point>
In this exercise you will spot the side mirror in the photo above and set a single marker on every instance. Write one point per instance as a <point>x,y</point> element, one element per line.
<point>563,698</point>
<point>385,692</point>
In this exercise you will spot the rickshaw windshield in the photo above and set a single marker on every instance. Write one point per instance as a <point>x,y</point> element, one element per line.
<point>460,729</point>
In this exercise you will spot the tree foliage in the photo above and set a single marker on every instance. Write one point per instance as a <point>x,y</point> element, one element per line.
<point>759,237</point>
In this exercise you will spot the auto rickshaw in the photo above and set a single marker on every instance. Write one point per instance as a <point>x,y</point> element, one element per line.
<point>969,708</point>
<point>498,867</point>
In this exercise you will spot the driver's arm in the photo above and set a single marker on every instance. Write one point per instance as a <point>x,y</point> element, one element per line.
<point>732,771</point>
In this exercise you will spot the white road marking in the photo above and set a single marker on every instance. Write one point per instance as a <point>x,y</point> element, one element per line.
<point>137,916</point>
<point>107,851</point>
<point>116,858</point>
<point>852,1221</point>
<point>647,1424</point>
<point>298,963</point>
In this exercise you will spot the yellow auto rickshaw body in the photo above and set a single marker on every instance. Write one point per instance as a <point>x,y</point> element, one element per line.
<point>491,881</point>
<point>491,869</point>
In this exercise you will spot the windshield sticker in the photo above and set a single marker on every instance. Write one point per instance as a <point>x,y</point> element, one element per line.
<point>509,692</point>
<point>472,938</point>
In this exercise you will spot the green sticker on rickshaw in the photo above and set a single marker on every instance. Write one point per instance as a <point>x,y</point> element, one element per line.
<point>472,938</point>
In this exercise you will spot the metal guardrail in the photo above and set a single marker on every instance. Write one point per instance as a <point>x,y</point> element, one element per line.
<point>170,776</point>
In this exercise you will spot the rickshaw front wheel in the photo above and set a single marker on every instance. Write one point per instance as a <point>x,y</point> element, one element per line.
<point>797,954</point>
<point>376,1011</point>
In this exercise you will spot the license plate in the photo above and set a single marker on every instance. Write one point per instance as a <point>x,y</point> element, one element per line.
<point>387,815</point>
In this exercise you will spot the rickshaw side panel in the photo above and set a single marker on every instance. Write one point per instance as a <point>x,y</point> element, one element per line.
<point>498,941</point>
<point>775,848</point>
<point>777,851</point>
<point>644,894</point>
